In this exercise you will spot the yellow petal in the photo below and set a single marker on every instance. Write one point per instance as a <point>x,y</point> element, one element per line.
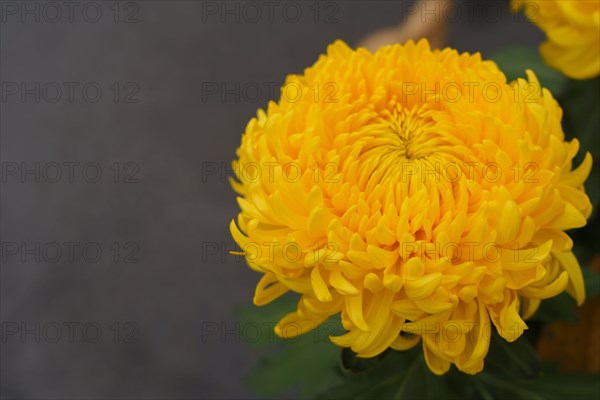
<point>268,289</point>
<point>421,288</point>
<point>319,286</point>
<point>569,263</point>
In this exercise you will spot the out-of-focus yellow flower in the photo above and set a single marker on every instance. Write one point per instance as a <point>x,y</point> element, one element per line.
<point>415,192</point>
<point>573,31</point>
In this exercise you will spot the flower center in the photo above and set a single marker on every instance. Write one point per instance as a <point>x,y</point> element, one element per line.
<point>401,142</point>
<point>413,137</point>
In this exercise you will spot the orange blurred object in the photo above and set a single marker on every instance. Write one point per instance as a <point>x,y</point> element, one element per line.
<point>423,22</point>
<point>575,346</point>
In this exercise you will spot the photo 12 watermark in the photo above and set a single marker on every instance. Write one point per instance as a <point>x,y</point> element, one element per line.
<point>69,172</point>
<point>471,92</point>
<point>453,331</point>
<point>69,92</point>
<point>70,12</point>
<point>469,11</point>
<point>330,253</point>
<point>270,171</point>
<point>252,92</point>
<point>69,252</point>
<point>270,12</point>
<point>406,171</point>
<point>407,92</point>
<point>69,332</point>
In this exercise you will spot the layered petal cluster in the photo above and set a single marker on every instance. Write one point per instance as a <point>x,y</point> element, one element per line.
<point>572,28</point>
<point>415,193</point>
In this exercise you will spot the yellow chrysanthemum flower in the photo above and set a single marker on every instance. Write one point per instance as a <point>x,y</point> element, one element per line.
<point>573,31</point>
<point>416,193</point>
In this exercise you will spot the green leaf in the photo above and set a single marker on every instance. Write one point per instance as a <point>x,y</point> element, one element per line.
<point>592,282</point>
<point>562,307</point>
<point>350,363</point>
<point>559,308</point>
<point>514,60</point>
<point>565,386</point>
<point>382,380</point>
<point>581,104</point>
<point>514,370</point>
<point>549,386</point>
<point>312,364</point>
<point>265,318</point>
<point>395,375</point>
<point>306,364</point>
<point>581,101</point>
<point>517,358</point>
<point>423,384</point>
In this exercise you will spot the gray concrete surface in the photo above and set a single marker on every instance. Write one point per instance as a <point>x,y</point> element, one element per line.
<point>161,56</point>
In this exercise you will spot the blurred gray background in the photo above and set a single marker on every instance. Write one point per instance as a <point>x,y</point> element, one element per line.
<point>116,120</point>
